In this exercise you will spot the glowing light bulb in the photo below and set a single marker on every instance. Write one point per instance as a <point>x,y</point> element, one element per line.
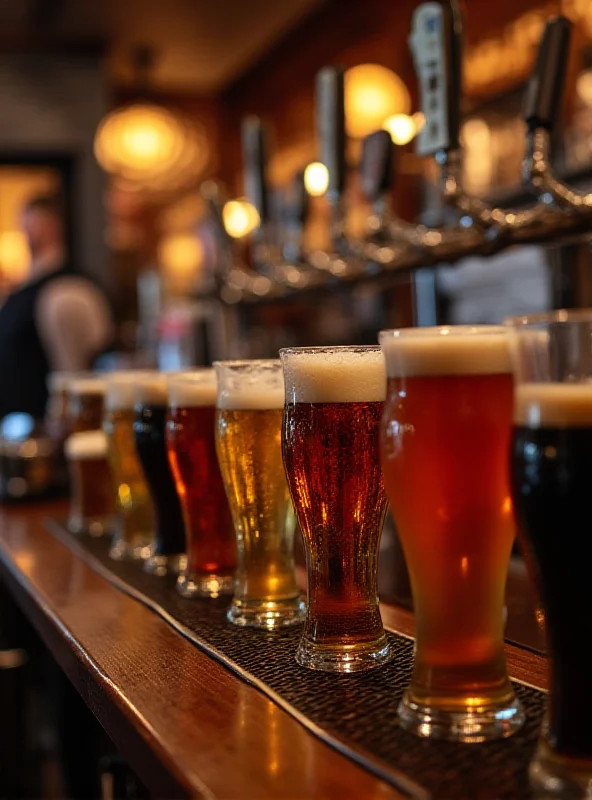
<point>240,218</point>
<point>401,127</point>
<point>316,179</point>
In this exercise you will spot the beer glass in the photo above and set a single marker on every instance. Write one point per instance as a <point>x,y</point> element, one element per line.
<point>248,442</point>
<point>150,411</point>
<point>445,441</point>
<point>90,481</point>
<point>551,479</point>
<point>134,528</point>
<point>191,442</point>
<point>334,402</point>
<point>86,402</point>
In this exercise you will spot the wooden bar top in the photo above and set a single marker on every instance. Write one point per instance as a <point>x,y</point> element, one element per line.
<point>187,725</point>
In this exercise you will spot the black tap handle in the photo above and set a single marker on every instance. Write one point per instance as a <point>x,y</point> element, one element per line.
<point>544,93</point>
<point>330,114</point>
<point>436,42</point>
<point>376,165</point>
<point>255,161</point>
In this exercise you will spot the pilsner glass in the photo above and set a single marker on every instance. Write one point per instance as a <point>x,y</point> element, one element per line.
<point>91,485</point>
<point>150,412</point>
<point>551,479</point>
<point>334,402</point>
<point>191,442</point>
<point>444,445</point>
<point>248,442</point>
<point>86,402</point>
<point>134,529</point>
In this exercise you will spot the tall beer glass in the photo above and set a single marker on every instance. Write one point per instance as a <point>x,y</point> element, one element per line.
<point>445,441</point>
<point>86,402</point>
<point>248,442</point>
<point>334,402</point>
<point>191,442</point>
<point>551,484</point>
<point>90,483</point>
<point>134,529</point>
<point>150,411</point>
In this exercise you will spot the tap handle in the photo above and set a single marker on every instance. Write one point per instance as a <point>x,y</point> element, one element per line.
<point>253,137</point>
<point>544,93</point>
<point>330,115</point>
<point>376,165</point>
<point>296,201</point>
<point>436,44</point>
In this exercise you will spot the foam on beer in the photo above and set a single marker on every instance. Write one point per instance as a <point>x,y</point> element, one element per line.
<point>192,389</point>
<point>334,376</point>
<point>151,389</point>
<point>553,405</point>
<point>121,389</point>
<point>250,385</point>
<point>86,445</point>
<point>458,350</point>
<point>93,384</point>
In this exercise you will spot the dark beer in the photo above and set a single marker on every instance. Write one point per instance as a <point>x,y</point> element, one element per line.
<point>150,439</point>
<point>91,500</point>
<point>330,449</point>
<point>445,442</point>
<point>551,480</point>
<point>211,541</point>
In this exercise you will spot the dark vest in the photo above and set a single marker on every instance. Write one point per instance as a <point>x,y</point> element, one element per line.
<point>24,365</point>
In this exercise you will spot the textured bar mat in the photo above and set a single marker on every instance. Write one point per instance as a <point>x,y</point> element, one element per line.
<point>355,714</point>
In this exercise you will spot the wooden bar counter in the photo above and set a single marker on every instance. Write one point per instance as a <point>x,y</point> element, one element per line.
<point>187,725</point>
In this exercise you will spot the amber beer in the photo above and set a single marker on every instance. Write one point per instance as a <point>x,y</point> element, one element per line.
<point>150,413</point>
<point>191,443</point>
<point>248,440</point>
<point>134,529</point>
<point>334,402</point>
<point>91,486</point>
<point>445,444</point>
<point>86,403</point>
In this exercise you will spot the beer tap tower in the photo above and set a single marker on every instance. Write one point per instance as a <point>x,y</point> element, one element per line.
<point>391,245</point>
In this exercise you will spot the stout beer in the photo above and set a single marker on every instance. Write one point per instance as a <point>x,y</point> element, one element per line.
<point>334,402</point>
<point>211,542</point>
<point>135,518</point>
<point>90,480</point>
<point>248,439</point>
<point>150,412</point>
<point>445,442</point>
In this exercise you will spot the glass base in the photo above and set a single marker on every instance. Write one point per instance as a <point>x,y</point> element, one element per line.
<point>267,615</point>
<point>558,777</point>
<point>345,658</point>
<point>195,584</point>
<point>95,527</point>
<point>121,550</point>
<point>161,565</point>
<point>470,726</point>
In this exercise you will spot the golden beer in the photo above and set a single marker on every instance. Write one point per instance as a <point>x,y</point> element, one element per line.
<point>135,516</point>
<point>248,442</point>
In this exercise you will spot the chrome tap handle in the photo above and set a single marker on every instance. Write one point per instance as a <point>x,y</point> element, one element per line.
<point>253,137</point>
<point>436,45</point>
<point>330,119</point>
<point>376,165</point>
<point>544,93</point>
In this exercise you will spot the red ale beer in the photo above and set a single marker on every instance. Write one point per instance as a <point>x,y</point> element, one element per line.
<point>191,443</point>
<point>334,402</point>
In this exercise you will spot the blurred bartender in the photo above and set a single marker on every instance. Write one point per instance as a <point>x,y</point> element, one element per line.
<point>57,320</point>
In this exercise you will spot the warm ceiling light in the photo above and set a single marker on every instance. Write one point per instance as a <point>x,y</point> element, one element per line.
<point>240,217</point>
<point>316,179</point>
<point>372,95</point>
<point>181,254</point>
<point>148,145</point>
<point>14,256</point>
<point>401,127</point>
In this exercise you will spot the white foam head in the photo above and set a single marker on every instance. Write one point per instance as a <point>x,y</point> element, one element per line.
<point>151,389</point>
<point>190,389</point>
<point>121,389</point>
<point>91,384</point>
<point>553,405</point>
<point>86,445</point>
<point>452,350</point>
<point>334,374</point>
<point>250,385</point>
